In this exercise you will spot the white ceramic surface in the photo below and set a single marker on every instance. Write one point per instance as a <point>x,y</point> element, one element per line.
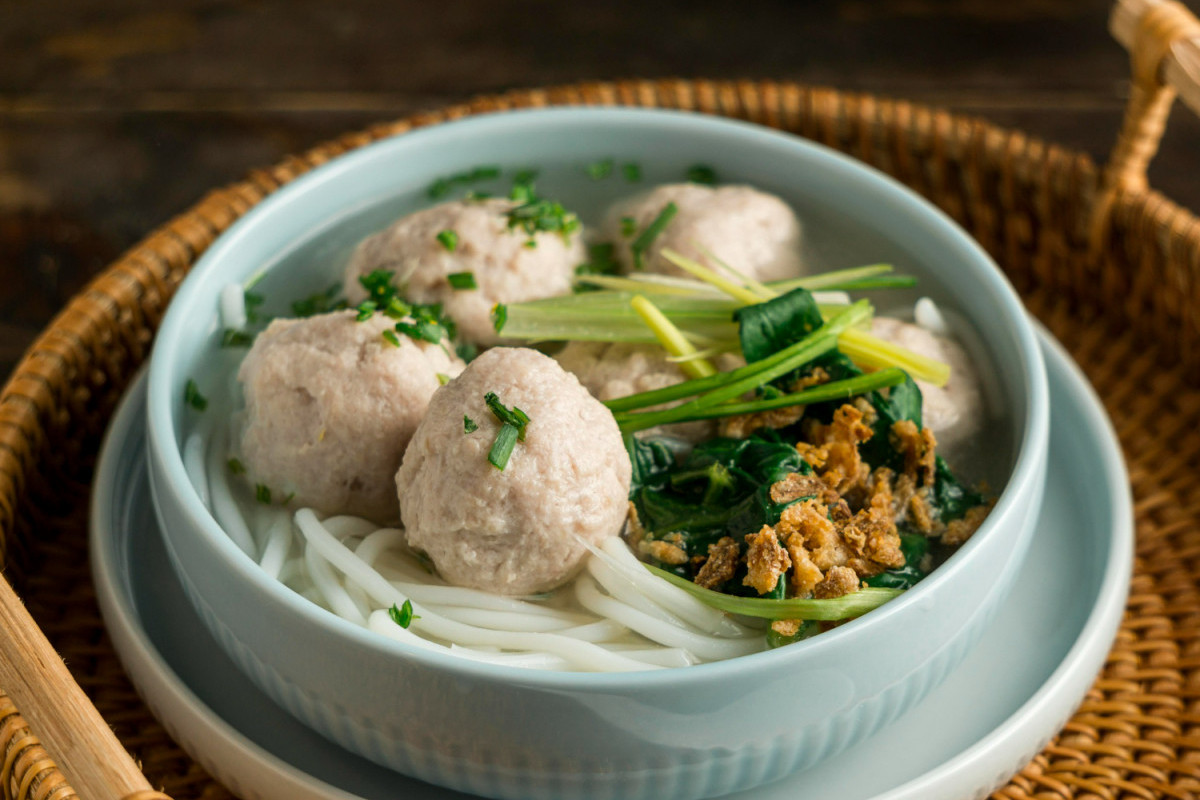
<point>1019,684</point>
<point>510,733</point>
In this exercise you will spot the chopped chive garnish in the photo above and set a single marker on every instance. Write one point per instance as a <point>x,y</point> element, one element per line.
<point>462,280</point>
<point>628,227</point>
<point>522,188</point>
<point>262,494</point>
<point>546,216</point>
<point>506,440</point>
<point>192,396</point>
<point>253,300</point>
<point>291,496</point>
<point>236,338</point>
<point>601,261</point>
<point>448,239</point>
<point>644,239</point>
<point>499,316</point>
<point>514,416</point>
<point>391,338</point>
<point>442,378</point>
<point>403,616</point>
<point>366,310</point>
<point>469,425</point>
<point>236,467</point>
<point>466,351</point>
<point>397,309</point>
<point>701,173</point>
<point>442,186</point>
<point>599,170</point>
<point>319,302</point>
<point>425,330</point>
<point>632,172</point>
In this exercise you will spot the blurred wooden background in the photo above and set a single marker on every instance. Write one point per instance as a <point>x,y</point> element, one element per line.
<point>116,115</point>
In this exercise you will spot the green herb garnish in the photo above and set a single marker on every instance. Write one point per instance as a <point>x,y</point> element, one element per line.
<point>253,301</point>
<point>499,316</point>
<point>522,188</point>
<point>391,338</point>
<point>462,280</point>
<point>701,173</point>
<point>628,227</point>
<point>599,170</point>
<point>545,216</point>
<point>601,261</point>
<point>192,396</point>
<point>236,467</point>
<point>366,310</point>
<point>262,494</point>
<point>442,378</point>
<point>448,239</point>
<point>632,172</point>
<point>235,338</point>
<point>644,239</point>
<point>469,425</point>
<point>442,186</point>
<point>513,422</point>
<point>403,616</point>
<point>319,302</point>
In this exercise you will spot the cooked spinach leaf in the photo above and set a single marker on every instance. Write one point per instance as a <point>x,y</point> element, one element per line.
<point>766,328</point>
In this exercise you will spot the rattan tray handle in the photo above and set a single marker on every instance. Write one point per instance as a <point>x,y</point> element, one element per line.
<point>1163,39</point>
<point>83,748</point>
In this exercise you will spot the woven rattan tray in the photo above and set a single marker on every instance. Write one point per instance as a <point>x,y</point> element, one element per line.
<point>1112,268</point>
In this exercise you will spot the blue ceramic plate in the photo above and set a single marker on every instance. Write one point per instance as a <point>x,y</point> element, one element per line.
<point>1020,683</point>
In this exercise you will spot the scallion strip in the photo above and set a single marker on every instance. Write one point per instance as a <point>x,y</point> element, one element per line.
<point>670,337</point>
<point>868,350</point>
<point>502,447</point>
<point>735,382</point>
<point>644,239</point>
<point>847,606</point>
<point>737,292</point>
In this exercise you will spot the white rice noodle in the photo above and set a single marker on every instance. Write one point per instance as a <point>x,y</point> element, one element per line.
<point>335,597</point>
<point>224,507</point>
<point>704,618</point>
<point>581,655</point>
<point>708,647</point>
<point>233,306</point>
<point>193,464</point>
<point>279,544</point>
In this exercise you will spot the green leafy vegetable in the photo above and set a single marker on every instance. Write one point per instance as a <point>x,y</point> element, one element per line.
<point>807,629</point>
<point>766,328</point>
<point>192,396</point>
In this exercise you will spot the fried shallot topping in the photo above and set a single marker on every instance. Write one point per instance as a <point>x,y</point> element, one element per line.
<point>766,560</point>
<point>959,530</point>
<point>838,581</point>
<point>666,551</point>
<point>917,445</point>
<point>722,562</point>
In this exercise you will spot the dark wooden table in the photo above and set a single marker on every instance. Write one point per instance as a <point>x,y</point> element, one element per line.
<point>116,115</point>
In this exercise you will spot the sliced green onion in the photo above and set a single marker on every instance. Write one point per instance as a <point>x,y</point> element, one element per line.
<point>262,493</point>
<point>703,174</point>
<point>236,467</point>
<point>462,280</point>
<point>644,239</point>
<point>739,293</point>
<point>192,396</point>
<point>632,172</point>
<point>868,350</point>
<point>469,425</point>
<point>670,337</point>
<point>506,440</point>
<point>847,606</point>
<point>448,239</point>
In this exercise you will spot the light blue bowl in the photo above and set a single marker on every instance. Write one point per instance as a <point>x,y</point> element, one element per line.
<point>685,733</point>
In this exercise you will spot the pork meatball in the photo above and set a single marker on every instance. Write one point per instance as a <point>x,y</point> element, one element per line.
<point>755,233</point>
<point>954,412</point>
<point>616,369</point>
<point>508,264</point>
<point>331,406</point>
<point>519,530</point>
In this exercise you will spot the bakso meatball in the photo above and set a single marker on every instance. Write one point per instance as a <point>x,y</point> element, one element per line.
<point>754,232</point>
<point>330,408</point>
<point>505,263</point>
<point>616,369</point>
<point>954,412</point>
<point>520,529</point>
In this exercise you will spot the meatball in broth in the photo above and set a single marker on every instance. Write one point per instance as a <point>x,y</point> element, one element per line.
<point>521,529</point>
<point>754,232</point>
<point>330,408</point>
<point>505,263</point>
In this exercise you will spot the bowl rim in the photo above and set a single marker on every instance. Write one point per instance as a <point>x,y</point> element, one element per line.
<point>161,427</point>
